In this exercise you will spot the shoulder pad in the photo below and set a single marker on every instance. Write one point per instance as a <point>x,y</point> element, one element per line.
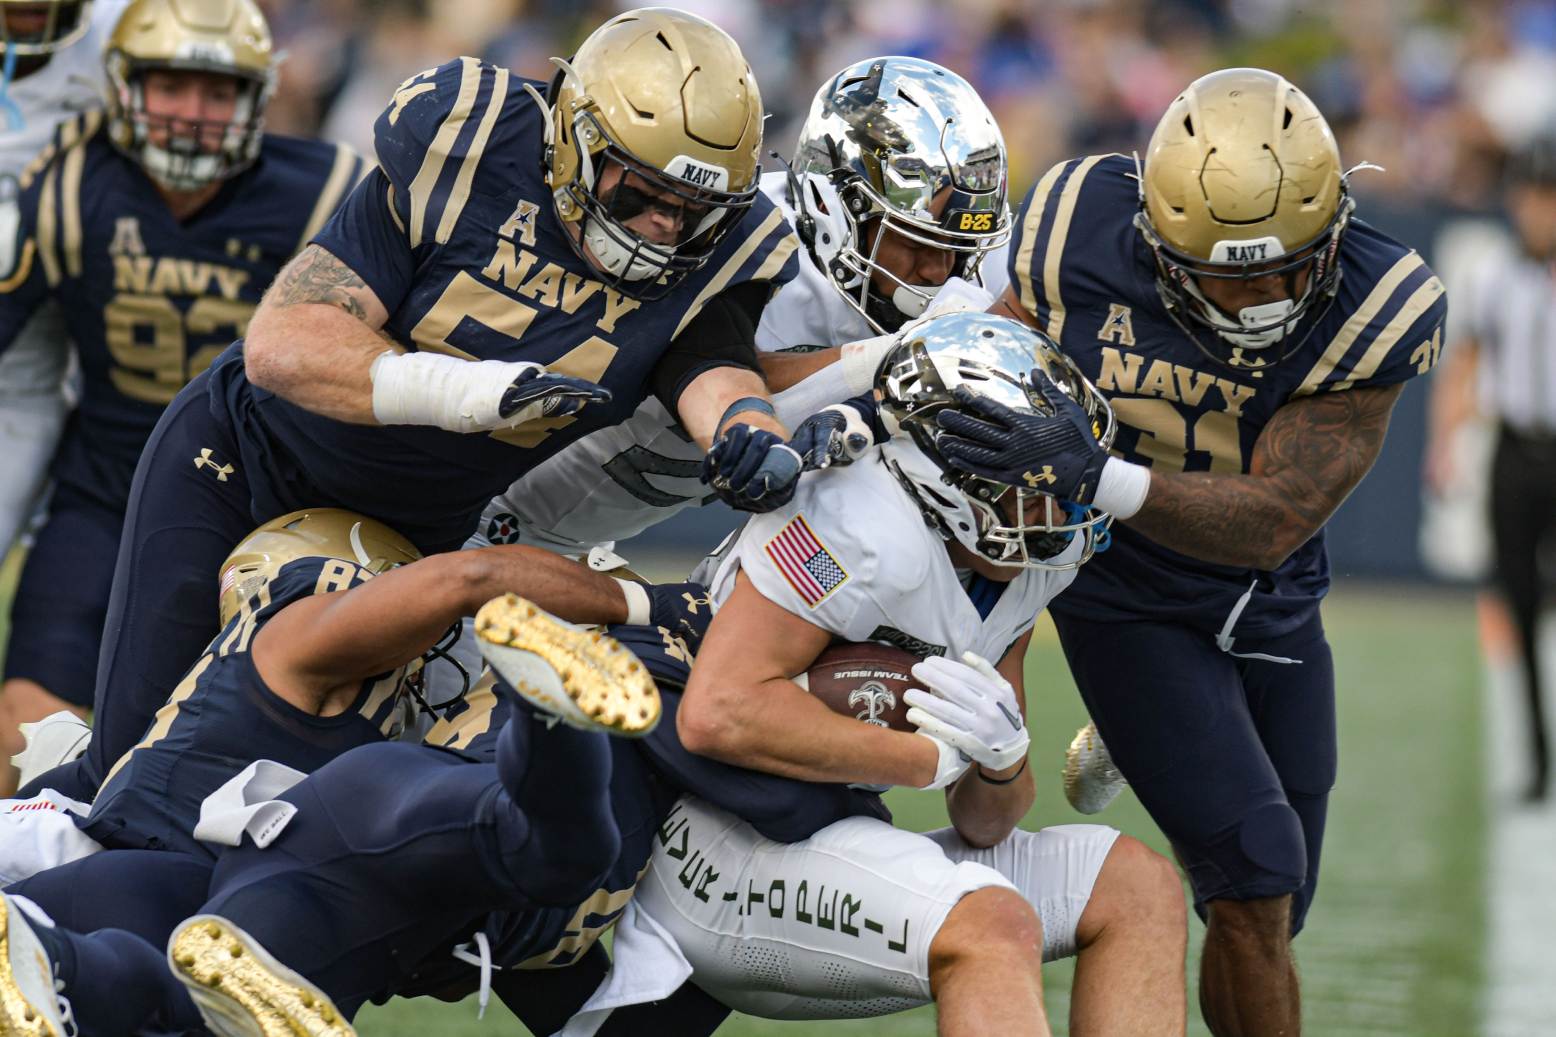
<point>431,138</point>
<point>1388,324</point>
<point>1094,193</point>
<point>761,247</point>
<point>324,171</point>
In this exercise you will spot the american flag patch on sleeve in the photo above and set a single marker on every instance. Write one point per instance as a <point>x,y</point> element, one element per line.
<point>805,562</point>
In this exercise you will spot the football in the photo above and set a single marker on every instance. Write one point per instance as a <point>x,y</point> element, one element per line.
<point>866,681</point>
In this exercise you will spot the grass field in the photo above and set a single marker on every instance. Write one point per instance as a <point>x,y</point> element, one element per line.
<point>1394,944</point>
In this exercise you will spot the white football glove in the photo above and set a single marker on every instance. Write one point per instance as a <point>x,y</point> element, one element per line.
<point>970,707</point>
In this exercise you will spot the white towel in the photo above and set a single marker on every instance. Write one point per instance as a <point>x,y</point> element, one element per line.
<point>646,966</point>
<point>247,803</point>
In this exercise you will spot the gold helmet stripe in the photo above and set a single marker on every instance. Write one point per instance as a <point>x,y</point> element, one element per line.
<point>426,181</point>
<point>1056,239</point>
<point>339,182</point>
<point>1029,231</point>
<point>461,192</point>
<point>1364,315</point>
<point>774,262</point>
<point>1421,300</point>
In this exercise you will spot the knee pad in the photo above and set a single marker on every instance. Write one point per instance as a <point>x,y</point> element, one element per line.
<point>1273,845</point>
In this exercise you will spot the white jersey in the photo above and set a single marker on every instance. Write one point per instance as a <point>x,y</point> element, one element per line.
<point>851,553</point>
<point>32,370</point>
<point>617,482</point>
<point>72,82</point>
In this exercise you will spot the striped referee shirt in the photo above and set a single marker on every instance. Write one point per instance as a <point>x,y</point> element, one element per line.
<point>1513,318</point>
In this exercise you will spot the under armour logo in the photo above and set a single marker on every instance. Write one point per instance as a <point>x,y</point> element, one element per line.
<point>875,698</point>
<point>1045,476</point>
<point>204,461</point>
<point>692,601</point>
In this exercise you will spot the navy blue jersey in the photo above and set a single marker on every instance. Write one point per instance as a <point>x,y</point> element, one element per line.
<point>222,717</point>
<point>1083,271</point>
<point>150,301</point>
<point>457,235</point>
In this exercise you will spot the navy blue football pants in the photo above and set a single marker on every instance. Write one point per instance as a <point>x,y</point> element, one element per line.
<point>191,501</point>
<point>1233,758</point>
<point>57,614</point>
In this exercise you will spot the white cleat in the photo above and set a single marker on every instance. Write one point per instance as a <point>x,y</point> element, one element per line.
<point>1091,781</point>
<point>583,677</point>
<point>29,1005</point>
<point>242,991</point>
<point>57,738</point>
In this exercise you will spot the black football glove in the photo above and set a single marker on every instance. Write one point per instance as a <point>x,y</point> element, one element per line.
<point>684,609</point>
<point>752,469</point>
<point>1057,454</point>
<point>537,393</point>
<point>840,434</point>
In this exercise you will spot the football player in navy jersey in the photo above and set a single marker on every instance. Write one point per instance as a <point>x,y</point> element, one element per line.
<point>519,270</point>
<point>156,225</point>
<point>1252,337</point>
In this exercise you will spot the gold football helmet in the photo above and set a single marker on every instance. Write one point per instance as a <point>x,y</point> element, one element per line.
<point>1242,180</point>
<point>669,99</point>
<point>311,533</point>
<point>32,28</point>
<point>225,37</point>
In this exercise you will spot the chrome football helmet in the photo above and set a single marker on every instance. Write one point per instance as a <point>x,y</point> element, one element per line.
<point>1005,360</point>
<point>1242,180</point>
<point>34,28</point>
<point>905,146</point>
<point>223,37</point>
<point>669,98</point>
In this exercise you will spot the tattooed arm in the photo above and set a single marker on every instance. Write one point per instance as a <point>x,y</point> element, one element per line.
<point>315,335</point>
<point>1307,461</point>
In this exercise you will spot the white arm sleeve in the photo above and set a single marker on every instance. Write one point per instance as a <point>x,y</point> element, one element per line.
<point>445,391</point>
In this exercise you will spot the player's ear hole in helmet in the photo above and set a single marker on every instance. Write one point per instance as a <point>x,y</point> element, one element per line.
<point>188,84</point>
<point>36,28</point>
<point>1006,361</point>
<point>654,129</point>
<point>1243,205</point>
<point>898,155</point>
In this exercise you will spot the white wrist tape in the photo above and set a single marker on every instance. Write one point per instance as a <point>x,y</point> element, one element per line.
<point>638,605</point>
<point>952,765</point>
<point>1122,488</point>
<point>862,359</point>
<point>444,391</point>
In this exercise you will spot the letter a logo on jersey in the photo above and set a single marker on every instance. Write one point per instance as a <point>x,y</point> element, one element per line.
<point>1119,327</point>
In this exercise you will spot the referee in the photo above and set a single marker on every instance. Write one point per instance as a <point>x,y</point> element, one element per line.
<point>1510,351</point>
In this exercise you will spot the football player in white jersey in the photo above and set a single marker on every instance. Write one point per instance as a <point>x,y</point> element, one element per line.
<point>897,190</point>
<point>51,69</point>
<point>862,918</point>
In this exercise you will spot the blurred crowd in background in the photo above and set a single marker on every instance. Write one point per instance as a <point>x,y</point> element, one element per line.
<point>1434,91</point>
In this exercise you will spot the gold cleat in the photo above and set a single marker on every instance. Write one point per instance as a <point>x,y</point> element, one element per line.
<point>29,1006</point>
<point>580,675</point>
<point>1091,780</point>
<point>242,991</point>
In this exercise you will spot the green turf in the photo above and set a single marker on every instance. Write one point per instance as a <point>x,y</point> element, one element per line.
<point>1393,944</point>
